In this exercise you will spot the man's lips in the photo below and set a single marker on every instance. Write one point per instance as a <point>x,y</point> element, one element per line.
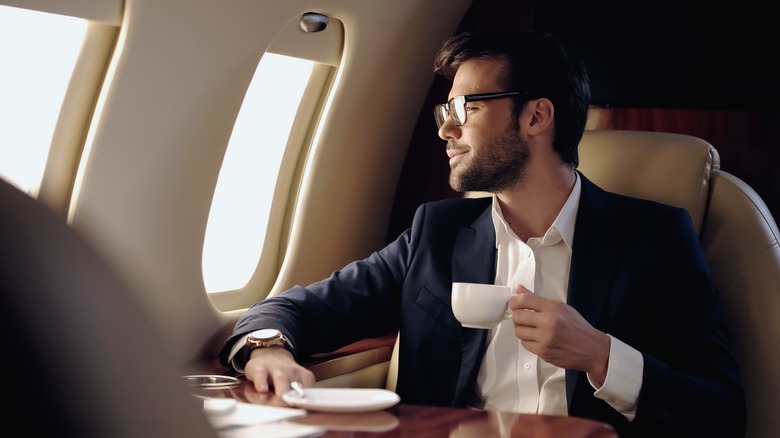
<point>454,154</point>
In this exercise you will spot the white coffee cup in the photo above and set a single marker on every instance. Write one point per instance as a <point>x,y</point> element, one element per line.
<point>479,305</point>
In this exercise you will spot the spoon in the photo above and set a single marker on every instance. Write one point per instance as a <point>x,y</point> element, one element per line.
<point>298,388</point>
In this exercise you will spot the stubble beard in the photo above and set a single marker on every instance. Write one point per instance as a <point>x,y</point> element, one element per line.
<point>500,165</point>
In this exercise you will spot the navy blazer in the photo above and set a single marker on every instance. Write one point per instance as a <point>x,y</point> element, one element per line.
<point>637,273</point>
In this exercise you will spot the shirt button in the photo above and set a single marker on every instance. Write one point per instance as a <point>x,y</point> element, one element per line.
<point>527,365</point>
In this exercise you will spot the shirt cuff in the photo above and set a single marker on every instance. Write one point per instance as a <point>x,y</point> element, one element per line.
<point>624,378</point>
<point>236,359</point>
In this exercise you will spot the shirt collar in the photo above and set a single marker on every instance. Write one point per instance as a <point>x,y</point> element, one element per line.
<point>564,223</point>
<point>562,226</point>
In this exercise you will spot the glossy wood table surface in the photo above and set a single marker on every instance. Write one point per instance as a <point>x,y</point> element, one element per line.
<point>412,421</point>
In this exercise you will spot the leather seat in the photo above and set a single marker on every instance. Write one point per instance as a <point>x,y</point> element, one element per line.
<point>737,231</point>
<point>81,356</point>
<point>738,234</point>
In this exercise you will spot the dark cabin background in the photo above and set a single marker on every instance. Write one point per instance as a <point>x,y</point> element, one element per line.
<point>689,67</point>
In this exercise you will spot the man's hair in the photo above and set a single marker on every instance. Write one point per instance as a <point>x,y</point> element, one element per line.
<point>534,62</point>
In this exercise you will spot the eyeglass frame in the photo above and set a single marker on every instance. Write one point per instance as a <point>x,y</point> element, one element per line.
<point>441,109</point>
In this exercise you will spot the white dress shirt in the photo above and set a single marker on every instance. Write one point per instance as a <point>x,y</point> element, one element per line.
<point>513,379</point>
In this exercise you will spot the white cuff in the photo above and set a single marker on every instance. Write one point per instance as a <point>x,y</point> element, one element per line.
<point>237,348</point>
<point>624,378</point>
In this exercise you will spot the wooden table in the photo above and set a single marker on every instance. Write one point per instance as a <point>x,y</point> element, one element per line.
<point>413,421</point>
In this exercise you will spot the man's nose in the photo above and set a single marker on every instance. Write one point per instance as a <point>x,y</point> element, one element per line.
<point>448,130</point>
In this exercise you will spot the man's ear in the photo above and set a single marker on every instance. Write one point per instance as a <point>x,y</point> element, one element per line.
<point>542,116</point>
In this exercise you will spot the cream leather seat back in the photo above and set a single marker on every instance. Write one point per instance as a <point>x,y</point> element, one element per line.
<point>740,239</point>
<point>669,168</point>
<point>737,232</point>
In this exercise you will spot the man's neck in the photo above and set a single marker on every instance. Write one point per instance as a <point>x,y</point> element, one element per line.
<point>532,206</point>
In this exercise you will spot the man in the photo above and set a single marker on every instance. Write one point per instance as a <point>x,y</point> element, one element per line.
<point>615,316</point>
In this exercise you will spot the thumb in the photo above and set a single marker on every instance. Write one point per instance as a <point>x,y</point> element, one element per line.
<point>520,289</point>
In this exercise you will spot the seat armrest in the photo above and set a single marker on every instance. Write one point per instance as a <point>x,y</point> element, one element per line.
<point>363,364</point>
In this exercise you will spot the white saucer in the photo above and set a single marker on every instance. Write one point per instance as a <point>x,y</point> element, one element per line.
<point>342,399</point>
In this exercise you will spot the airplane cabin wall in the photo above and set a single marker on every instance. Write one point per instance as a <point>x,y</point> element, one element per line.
<point>172,91</point>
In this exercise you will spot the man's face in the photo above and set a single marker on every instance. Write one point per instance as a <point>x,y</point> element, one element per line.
<point>487,153</point>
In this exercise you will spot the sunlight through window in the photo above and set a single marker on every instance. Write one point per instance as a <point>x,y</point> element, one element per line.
<point>38,52</point>
<point>242,201</point>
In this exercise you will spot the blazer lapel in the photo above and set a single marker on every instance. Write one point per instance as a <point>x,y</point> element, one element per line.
<point>474,255</point>
<point>594,257</point>
<point>473,261</point>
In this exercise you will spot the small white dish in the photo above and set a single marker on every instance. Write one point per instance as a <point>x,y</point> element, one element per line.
<point>342,399</point>
<point>217,406</point>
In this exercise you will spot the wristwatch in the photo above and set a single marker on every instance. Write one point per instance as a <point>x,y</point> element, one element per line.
<point>262,339</point>
<point>266,338</point>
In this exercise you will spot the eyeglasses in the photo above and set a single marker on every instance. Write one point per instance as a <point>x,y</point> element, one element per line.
<point>455,108</point>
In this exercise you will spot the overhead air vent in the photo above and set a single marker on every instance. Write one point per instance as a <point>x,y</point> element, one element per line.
<point>312,22</point>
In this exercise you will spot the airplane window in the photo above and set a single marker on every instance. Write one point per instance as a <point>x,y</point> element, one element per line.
<point>39,51</point>
<point>242,200</point>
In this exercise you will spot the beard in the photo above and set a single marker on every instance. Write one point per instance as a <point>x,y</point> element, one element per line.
<point>499,164</point>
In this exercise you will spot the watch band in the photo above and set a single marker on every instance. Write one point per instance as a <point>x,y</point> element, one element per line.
<point>265,338</point>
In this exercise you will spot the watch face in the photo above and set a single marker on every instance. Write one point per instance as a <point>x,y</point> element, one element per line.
<point>265,334</point>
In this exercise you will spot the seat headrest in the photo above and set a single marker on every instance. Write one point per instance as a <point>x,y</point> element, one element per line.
<point>674,169</point>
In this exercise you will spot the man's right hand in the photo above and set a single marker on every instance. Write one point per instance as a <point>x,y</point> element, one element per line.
<point>275,367</point>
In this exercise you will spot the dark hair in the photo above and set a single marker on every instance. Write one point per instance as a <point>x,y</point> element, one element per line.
<point>537,63</point>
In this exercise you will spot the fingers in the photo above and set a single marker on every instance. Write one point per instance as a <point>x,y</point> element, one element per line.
<point>525,299</point>
<point>527,324</point>
<point>259,377</point>
<point>519,289</point>
<point>281,384</point>
<point>283,379</point>
<point>307,378</point>
<point>273,369</point>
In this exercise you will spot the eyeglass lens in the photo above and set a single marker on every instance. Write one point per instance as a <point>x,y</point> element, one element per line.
<point>455,108</point>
